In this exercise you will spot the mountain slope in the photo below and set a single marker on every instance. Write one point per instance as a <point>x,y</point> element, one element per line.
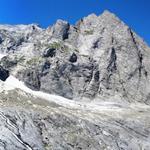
<point>99,58</point>
<point>31,122</point>
<point>83,86</point>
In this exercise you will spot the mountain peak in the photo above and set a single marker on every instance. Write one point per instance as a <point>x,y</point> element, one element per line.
<point>109,16</point>
<point>102,43</point>
<point>107,12</point>
<point>68,83</point>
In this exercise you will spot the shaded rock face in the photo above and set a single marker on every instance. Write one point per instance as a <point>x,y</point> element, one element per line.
<point>66,78</point>
<point>60,29</point>
<point>8,63</point>
<point>31,79</point>
<point>98,58</point>
<point>1,40</point>
<point>4,74</point>
<point>49,52</point>
<point>45,68</point>
<point>73,58</point>
<point>99,63</point>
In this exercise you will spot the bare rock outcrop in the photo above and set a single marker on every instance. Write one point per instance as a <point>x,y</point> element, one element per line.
<point>101,70</point>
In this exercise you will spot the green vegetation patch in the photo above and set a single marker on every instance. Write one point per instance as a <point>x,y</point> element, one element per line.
<point>34,61</point>
<point>55,45</point>
<point>89,32</point>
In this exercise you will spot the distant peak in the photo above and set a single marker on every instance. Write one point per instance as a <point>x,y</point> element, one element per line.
<point>107,12</point>
<point>109,16</point>
<point>60,21</point>
<point>92,15</point>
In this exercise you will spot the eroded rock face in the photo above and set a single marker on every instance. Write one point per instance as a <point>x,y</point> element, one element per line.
<point>60,29</point>
<point>98,58</point>
<point>31,79</point>
<point>73,58</point>
<point>49,52</point>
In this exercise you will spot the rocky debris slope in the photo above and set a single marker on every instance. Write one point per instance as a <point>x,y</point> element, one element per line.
<point>30,123</point>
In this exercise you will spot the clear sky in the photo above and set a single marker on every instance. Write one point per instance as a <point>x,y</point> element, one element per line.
<point>135,13</point>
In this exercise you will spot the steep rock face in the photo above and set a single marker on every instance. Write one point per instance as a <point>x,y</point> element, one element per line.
<point>99,58</point>
<point>4,74</point>
<point>60,29</point>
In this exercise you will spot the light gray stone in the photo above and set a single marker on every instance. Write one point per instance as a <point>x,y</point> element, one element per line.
<point>100,64</point>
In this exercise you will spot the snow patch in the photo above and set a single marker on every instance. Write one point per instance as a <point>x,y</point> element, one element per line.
<point>2,55</point>
<point>13,83</point>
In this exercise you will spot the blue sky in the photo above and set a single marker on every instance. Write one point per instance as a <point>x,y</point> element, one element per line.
<point>135,13</point>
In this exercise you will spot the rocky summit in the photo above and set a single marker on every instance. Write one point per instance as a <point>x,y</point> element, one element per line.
<point>74,87</point>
